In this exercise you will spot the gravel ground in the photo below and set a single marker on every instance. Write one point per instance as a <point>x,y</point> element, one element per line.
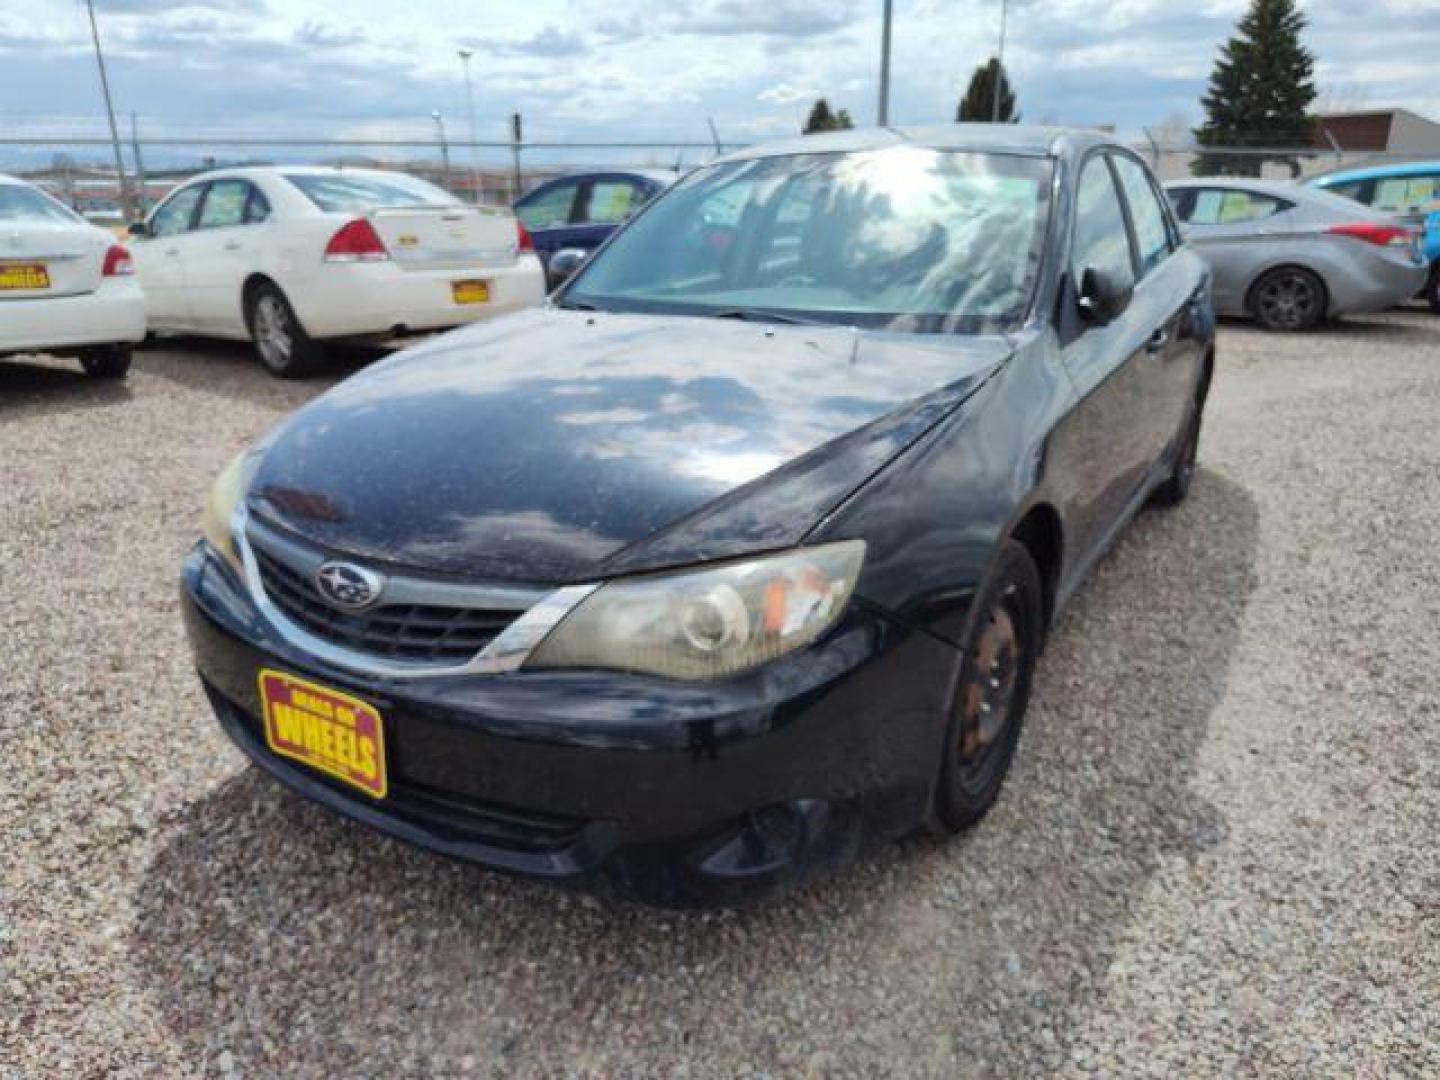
<point>1215,856</point>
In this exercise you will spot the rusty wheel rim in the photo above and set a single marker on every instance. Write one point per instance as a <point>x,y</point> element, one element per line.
<point>987,694</point>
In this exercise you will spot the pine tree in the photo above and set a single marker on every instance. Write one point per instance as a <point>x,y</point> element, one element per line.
<point>979,100</point>
<point>822,119</point>
<point>1260,91</point>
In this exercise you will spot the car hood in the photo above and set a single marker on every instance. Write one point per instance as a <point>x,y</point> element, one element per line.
<point>558,446</point>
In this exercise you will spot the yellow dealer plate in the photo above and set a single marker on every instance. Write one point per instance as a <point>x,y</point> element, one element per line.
<point>325,729</point>
<point>470,292</point>
<point>23,276</point>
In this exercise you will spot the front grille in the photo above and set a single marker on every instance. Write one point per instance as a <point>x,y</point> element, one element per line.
<point>419,633</point>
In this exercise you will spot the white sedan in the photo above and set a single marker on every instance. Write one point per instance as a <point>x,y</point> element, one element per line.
<point>289,256</point>
<point>66,287</point>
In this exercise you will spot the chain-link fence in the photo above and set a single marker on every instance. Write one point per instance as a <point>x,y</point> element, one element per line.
<point>81,171</point>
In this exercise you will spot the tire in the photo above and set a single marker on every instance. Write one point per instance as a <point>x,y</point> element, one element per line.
<point>281,344</point>
<point>1431,291</point>
<point>1288,299</point>
<point>1177,485</point>
<point>106,361</point>
<point>992,689</point>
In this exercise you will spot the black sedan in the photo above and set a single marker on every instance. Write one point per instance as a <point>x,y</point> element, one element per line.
<point>741,550</point>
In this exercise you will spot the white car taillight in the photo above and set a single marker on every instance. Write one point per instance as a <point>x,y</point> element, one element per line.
<point>524,242</point>
<point>356,241</point>
<point>118,262</point>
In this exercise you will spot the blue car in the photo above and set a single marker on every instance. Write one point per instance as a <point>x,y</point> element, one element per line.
<point>579,211</point>
<point>1410,191</point>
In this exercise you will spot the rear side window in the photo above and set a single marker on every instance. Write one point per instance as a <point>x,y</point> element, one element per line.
<point>1101,240</point>
<point>1152,238</point>
<point>176,213</point>
<point>19,203</point>
<point>354,194</point>
<point>1216,206</point>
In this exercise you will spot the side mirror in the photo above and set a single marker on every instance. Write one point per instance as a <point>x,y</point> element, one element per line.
<point>1102,296</point>
<point>139,228</point>
<point>564,263</point>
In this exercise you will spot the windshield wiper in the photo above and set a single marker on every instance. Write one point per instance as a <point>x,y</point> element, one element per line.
<point>761,315</point>
<point>575,305</point>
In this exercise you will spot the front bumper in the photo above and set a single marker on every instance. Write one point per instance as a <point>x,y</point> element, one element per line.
<point>672,793</point>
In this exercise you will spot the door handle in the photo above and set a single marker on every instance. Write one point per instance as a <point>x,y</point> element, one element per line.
<point>1158,340</point>
<point>172,251</point>
<point>233,245</point>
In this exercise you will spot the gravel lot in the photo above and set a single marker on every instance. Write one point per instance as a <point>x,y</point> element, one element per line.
<point>1216,854</point>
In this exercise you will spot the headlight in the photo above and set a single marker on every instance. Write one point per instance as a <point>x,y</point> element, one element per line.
<point>220,509</point>
<point>708,623</point>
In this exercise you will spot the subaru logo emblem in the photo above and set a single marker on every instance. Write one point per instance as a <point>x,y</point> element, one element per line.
<point>347,586</point>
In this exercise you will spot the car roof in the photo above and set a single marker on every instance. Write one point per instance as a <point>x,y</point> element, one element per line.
<point>1026,140</point>
<point>1377,172</point>
<point>291,170</point>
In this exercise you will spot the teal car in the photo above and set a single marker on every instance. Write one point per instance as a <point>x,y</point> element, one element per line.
<point>1410,191</point>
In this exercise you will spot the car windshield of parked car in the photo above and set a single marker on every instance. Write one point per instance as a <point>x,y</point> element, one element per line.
<point>23,204</point>
<point>354,194</point>
<point>905,238</point>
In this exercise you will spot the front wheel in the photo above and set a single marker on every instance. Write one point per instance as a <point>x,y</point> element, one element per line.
<point>1288,298</point>
<point>106,361</point>
<point>1431,291</point>
<point>991,690</point>
<point>281,343</point>
<point>1177,485</point>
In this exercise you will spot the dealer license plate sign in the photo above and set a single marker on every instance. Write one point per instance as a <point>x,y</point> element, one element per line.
<point>25,276</point>
<point>325,729</point>
<point>470,292</point>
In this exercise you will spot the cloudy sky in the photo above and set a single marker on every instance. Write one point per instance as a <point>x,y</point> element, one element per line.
<point>641,70</point>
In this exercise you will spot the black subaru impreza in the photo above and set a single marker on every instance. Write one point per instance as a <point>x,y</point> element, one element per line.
<point>742,548</point>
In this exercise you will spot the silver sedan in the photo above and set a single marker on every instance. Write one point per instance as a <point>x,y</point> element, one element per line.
<point>1290,257</point>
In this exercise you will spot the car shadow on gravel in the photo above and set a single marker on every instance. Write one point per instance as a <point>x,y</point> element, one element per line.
<point>229,369</point>
<point>37,388</point>
<point>293,941</point>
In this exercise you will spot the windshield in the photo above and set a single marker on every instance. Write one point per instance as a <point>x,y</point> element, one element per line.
<point>903,238</point>
<point>20,203</point>
<point>354,193</point>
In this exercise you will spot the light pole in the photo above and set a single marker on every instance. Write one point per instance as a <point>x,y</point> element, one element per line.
<point>444,147</point>
<point>465,55</point>
<point>999,68</point>
<point>882,114</point>
<point>110,113</point>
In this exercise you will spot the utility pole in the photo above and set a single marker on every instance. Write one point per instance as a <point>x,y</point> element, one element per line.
<point>516,138</point>
<point>882,116</point>
<point>444,147</point>
<point>999,68</point>
<point>140,207</point>
<point>465,55</point>
<point>110,113</point>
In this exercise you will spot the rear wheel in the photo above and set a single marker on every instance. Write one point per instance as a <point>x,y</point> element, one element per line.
<point>280,341</point>
<point>992,690</point>
<point>1431,292</point>
<point>106,361</point>
<point>1288,298</point>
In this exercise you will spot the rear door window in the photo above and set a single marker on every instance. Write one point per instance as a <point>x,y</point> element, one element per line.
<point>1406,194</point>
<point>610,202</point>
<point>224,205</point>
<point>1221,206</point>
